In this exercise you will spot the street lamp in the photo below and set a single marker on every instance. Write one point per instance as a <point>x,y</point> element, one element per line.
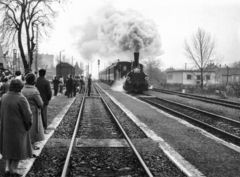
<point>60,62</point>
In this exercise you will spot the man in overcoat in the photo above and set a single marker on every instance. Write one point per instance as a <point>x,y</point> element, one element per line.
<point>43,86</point>
<point>16,121</point>
<point>89,84</point>
<point>69,86</point>
<point>56,82</point>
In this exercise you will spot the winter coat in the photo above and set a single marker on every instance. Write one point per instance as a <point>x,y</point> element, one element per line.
<point>69,85</point>
<point>89,82</point>
<point>55,84</point>
<point>35,102</point>
<point>43,86</point>
<point>5,87</point>
<point>16,120</point>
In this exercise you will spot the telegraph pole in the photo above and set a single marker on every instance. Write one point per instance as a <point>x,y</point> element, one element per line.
<point>98,67</point>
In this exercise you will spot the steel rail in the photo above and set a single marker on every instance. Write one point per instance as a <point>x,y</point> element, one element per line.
<point>127,138</point>
<point>233,138</point>
<point>230,104</point>
<point>66,164</point>
<point>225,119</point>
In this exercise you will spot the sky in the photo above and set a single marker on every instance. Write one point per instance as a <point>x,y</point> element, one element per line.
<point>84,34</point>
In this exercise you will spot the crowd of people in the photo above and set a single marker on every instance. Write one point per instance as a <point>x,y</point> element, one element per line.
<point>23,113</point>
<point>74,85</point>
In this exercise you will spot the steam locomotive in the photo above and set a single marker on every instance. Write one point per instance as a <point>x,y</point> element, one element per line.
<point>135,80</point>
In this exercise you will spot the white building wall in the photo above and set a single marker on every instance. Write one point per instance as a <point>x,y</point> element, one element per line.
<point>175,77</point>
<point>181,77</point>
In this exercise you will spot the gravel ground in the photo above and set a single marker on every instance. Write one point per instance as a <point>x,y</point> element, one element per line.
<point>102,162</point>
<point>51,160</point>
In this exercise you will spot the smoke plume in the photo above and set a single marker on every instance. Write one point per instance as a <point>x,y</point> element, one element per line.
<point>110,33</point>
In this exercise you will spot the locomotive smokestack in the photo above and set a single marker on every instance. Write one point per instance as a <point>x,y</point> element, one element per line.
<point>136,59</point>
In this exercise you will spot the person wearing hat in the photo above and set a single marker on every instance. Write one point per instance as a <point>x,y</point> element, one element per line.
<point>35,101</point>
<point>18,75</point>
<point>89,84</point>
<point>43,86</point>
<point>16,121</point>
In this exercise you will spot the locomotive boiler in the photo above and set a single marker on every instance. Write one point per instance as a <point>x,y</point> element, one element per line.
<point>136,79</point>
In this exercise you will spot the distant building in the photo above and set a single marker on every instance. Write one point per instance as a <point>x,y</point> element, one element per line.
<point>44,61</point>
<point>190,77</point>
<point>227,75</point>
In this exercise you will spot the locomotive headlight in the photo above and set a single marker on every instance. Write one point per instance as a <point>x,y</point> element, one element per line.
<point>146,78</point>
<point>128,78</point>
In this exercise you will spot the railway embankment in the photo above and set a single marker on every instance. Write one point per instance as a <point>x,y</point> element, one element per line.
<point>203,151</point>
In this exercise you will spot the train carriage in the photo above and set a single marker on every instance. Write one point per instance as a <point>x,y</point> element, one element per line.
<point>132,72</point>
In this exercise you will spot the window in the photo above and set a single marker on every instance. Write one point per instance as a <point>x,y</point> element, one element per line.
<point>198,77</point>
<point>189,77</point>
<point>208,77</point>
<point>170,76</point>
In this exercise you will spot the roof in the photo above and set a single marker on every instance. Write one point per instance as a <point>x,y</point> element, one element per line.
<point>228,71</point>
<point>182,71</point>
<point>64,64</point>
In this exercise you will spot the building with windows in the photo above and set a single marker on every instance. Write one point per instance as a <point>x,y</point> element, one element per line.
<point>190,77</point>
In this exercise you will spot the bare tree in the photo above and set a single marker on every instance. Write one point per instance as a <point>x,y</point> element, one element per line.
<point>235,64</point>
<point>201,51</point>
<point>21,20</point>
<point>152,66</point>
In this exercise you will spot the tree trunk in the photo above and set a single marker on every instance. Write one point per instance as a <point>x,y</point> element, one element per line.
<point>201,78</point>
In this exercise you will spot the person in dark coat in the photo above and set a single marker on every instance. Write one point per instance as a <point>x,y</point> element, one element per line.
<point>66,92</point>
<point>89,84</point>
<point>5,86</point>
<point>56,82</point>
<point>43,86</point>
<point>35,101</point>
<point>74,85</point>
<point>69,86</point>
<point>16,121</point>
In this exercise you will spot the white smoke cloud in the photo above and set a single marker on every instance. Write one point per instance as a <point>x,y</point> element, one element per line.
<point>118,85</point>
<point>112,33</point>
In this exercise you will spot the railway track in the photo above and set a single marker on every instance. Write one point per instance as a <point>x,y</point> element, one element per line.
<point>222,102</point>
<point>220,126</point>
<point>103,148</point>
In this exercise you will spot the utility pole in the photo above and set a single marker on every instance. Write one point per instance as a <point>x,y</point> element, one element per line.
<point>72,66</point>
<point>60,64</point>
